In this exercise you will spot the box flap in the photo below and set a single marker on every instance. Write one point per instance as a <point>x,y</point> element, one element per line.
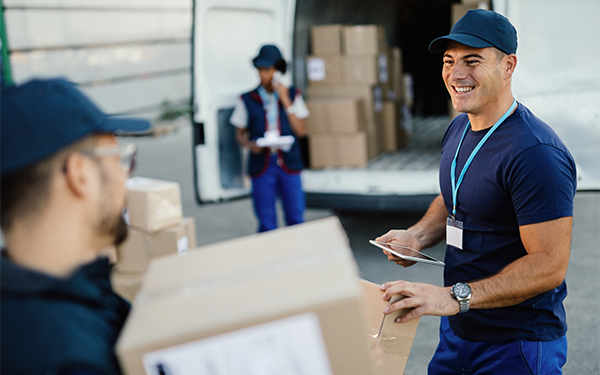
<point>395,339</point>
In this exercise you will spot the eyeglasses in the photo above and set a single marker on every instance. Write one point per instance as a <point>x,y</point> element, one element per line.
<point>127,153</point>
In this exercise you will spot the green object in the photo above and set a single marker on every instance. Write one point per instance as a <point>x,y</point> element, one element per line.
<point>6,69</point>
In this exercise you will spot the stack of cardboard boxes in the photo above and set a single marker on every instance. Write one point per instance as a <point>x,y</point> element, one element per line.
<point>157,228</point>
<point>246,306</point>
<point>354,95</point>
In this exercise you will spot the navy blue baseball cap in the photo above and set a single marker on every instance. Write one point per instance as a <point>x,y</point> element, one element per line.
<point>270,56</point>
<point>42,116</point>
<point>480,28</point>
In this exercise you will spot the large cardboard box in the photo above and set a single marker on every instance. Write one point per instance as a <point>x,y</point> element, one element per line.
<point>391,126</point>
<point>322,150</point>
<point>366,92</point>
<point>279,302</point>
<point>340,150</point>
<point>326,39</point>
<point>393,341</point>
<point>352,149</point>
<point>153,204</point>
<point>396,87</point>
<point>325,70</point>
<point>343,115</point>
<point>364,40</point>
<point>140,247</point>
<point>126,284</point>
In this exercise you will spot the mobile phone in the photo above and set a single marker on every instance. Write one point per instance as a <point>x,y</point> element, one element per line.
<point>276,78</point>
<point>386,247</point>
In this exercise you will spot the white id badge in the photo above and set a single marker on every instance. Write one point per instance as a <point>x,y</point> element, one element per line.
<point>454,233</point>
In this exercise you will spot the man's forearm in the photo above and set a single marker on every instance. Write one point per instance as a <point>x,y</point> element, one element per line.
<point>544,267</point>
<point>431,229</point>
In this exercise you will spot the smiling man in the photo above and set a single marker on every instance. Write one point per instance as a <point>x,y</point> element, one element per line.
<point>507,186</point>
<point>62,198</point>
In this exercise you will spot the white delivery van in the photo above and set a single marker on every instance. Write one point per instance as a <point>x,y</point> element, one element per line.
<point>558,77</point>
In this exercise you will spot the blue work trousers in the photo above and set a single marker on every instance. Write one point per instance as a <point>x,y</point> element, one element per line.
<point>277,183</point>
<point>463,357</point>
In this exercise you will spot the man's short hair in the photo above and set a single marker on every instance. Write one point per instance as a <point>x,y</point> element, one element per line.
<point>25,192</point>
<point>499,54</point>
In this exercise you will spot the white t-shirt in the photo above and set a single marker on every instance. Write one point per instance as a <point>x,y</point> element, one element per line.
<point>239,117</point>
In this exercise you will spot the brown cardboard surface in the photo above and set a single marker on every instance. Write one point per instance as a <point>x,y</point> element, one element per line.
<point>247,281</point>
<point>396,87</point>
<point>342,115</point>
<point>153,204</point>
<point>141,247</point>
<point>364,92</point>
<point>352,149</point>
<point>391,125</point>
<point>126,284</point>
<point>361,69</point>
<point>395,340</point>
<point>373,141</point>
<point>322,150</point>
<point>326,39</point>
<point>329,73</point>
<point>363,40</point>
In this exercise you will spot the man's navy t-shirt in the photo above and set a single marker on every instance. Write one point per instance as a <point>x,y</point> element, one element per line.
<point>522,175</point>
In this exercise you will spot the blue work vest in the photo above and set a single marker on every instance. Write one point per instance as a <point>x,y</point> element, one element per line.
<point>291,161</point>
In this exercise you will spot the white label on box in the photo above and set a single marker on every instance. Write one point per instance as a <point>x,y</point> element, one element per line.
<point>315,67</point>
<point>383,68</point>
<point>183,245</point>
<point>289,346</point>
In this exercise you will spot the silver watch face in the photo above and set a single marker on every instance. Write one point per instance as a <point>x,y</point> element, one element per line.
<point>462,290</point>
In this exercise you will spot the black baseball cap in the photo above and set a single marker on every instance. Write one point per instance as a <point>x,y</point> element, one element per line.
<point>480,28</point>
<point>42,116</point>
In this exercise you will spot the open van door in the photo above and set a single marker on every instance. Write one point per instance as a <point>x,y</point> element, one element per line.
<point>225,38</point>
<point>558,74</point>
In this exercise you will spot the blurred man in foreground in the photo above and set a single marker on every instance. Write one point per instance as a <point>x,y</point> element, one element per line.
<point>62,197</point>
<point>505,210</point>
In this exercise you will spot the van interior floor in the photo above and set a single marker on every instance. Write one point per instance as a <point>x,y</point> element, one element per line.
<point>423,151</point>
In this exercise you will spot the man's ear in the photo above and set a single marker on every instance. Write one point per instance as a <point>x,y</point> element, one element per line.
<point>76,170</point>
<point>510,65</point>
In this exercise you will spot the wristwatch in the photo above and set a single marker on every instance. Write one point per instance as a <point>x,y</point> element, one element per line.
<point>462,293</point>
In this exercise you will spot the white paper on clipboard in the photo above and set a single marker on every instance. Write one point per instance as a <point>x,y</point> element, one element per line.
<point>386,247</point>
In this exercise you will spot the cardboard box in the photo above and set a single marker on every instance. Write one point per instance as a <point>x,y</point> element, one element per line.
<point>141,247</point>
<point>365,92</point>
<point>393,340</point>
<point>245,306</point>
<point>364,40</point>
<point>339,150</point>
<point>344,115</point>
<point>391,125</point>
<point>361,70</point>
<point>405,126</point>
<point>352,149</point>
<point>322,150</point>
<point>153,204</point>
<point>396,87</point>
<point>126,284</point>
<point>408,89</point>
<point>373,141</point>
<point>324,70</point>
<point>326,39</point>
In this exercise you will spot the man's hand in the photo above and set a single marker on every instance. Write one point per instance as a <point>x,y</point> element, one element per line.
<point>255,148</point>
<point>283,92</point>
<point>403,238</point>
<point>426,299</point>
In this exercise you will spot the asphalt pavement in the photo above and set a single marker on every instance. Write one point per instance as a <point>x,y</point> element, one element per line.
<point>170,158</point>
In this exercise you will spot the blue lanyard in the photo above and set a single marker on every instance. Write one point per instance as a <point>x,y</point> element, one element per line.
<point>456,184</point>
<point>270,106</point>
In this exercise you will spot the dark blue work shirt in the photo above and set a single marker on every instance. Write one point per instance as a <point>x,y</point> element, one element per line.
<point>523,174</point>
<point>59,326</point>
